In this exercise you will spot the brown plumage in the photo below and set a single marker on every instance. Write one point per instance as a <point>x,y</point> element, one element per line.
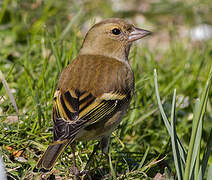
<point>94,90</point>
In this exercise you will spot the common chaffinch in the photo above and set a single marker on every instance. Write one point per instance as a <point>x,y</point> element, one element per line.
<point>94,90</point>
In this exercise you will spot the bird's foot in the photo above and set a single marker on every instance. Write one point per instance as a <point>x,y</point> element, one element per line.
<point>83,172</point>
<point>75,171</point>
<point>78,174</point>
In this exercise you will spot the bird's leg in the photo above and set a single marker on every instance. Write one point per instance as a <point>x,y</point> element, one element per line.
<point>107,157</point>
<point>90,158</point>
<point>104,145</point>
<point>75,168</point>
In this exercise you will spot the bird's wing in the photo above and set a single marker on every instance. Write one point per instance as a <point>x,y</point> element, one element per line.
<point>73,110</point>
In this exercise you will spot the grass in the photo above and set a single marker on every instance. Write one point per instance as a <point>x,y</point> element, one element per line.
<point>190,161</point>
<point>37,41</point>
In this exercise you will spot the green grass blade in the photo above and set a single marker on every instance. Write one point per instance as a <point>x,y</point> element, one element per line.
<point>146,115</point>
<point>200,173</point>
<point>111,168</point>
<point>70,24</point>
<point>197,165</point>
<point>183,153</point>
<point>197,118</point>
<point>3,9</point>
<point>197,145</point>
<point>209,172</point>
<point>206,157</point>
<point>165,119</point>
<point>54,50</point>
<point>144,158</point>
<point>175,149</point>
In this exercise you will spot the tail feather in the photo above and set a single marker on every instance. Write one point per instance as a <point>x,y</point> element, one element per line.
<point>51,155</point>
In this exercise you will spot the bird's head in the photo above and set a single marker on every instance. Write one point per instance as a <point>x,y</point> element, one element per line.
<point>112,37</point>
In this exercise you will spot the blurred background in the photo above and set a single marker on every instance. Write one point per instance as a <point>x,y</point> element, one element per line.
<point>184,19</point>
<point>39,37</point>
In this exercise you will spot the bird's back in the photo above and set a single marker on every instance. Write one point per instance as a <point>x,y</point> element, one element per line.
<point>96,74</point>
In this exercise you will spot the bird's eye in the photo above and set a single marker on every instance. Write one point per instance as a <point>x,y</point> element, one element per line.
<point>116,31</point>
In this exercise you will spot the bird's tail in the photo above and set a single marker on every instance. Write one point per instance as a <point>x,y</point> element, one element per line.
<point>49,158</point>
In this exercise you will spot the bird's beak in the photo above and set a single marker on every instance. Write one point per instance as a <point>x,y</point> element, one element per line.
<point>138,33</point>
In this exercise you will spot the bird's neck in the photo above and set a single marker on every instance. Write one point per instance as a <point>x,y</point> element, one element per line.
<point>119,53</point>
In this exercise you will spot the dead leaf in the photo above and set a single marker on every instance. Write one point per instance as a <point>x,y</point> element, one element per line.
<point>17,153</point>
<point>11,119</point>
<point>159,177</point>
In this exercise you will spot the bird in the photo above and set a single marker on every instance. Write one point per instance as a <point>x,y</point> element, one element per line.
<point>94,90</point>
